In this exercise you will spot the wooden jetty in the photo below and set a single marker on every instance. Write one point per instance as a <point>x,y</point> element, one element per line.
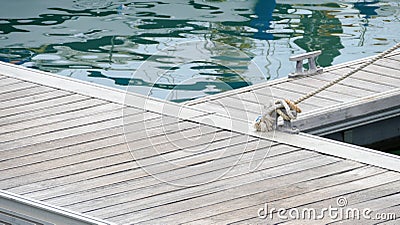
<point>76,151</point>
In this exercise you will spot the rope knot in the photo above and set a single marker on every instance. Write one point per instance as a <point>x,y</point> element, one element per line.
<point>282,107</point>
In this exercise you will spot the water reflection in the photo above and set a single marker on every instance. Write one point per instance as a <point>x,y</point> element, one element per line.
<point>367,8</point>
<point>321,31</point>
<point>107,41</point>
<point>263,17</point>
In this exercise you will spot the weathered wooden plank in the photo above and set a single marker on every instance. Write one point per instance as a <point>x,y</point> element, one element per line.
<point>146,183</point>
<point>121,182</point>
<point>372,77</point>
<point>170,142</point>
<point>79,150</point>
<point>57,153</point>
<point>41,105</point>
<point>132,191</point>
<point>302,89</point>
<point>16,87</point>
<point>106,112</point>
<point>91,139</point>
<point>346,88</point>
<point>234,113</point>
<point>33,99</point>
<point>389,62</point>
<point>394,57</point>
<point>68,107</point>
<point>203,173</point>
<point>394,53</point>
<point>125,181</point>
<point>383,71</point>
<point>276,93</point>
<point>70,170</point>
<point>24,92</point>
<point>355,83</point>
<point>210,187</point>
<point>55,121</point>
<point>223,185</point>
<point>379,78</point>
<point>279,94</point>
<point>271,179</point>
<point>120,167</point>
<point>65,161</point>
<point>78,164</point>
<point>9,81</point>
<point>294,196</point>
<point>259,99</point>
<point>241,104</point>
<point>43,157</point>
<point>100,174</point>
<point>60,134</point>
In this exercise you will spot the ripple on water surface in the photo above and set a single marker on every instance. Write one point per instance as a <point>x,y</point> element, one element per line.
<point>107,41</point>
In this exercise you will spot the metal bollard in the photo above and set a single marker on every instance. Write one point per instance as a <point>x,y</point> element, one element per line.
<point>310,56</point>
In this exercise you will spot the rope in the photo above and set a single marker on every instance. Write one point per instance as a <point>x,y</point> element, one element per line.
<point>360,67</point>
<point>285,108</point>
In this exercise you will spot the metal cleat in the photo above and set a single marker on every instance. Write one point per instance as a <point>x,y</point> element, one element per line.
<point>310,56</point>
<point>287,125</point>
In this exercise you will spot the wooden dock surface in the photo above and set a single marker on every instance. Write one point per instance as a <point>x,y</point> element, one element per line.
<point>63,142</point>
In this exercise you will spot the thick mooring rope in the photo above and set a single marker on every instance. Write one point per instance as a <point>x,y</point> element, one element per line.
<point>284,108</point>
<point>267,121</point>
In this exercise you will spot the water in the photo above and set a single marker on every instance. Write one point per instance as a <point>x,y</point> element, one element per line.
<point>106,42</point>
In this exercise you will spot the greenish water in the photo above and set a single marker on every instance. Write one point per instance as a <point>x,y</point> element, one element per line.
<point>106,41</point>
